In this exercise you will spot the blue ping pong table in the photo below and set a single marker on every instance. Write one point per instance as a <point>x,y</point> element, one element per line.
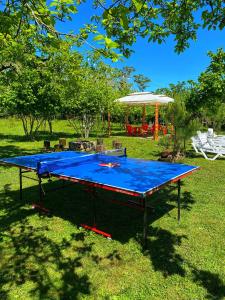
<point>111,170</point>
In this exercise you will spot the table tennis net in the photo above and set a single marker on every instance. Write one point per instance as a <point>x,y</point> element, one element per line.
<point>114,152</point>
<point>46,167</point>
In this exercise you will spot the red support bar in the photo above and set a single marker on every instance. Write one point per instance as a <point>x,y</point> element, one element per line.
<point>96,230</point>
<point>40,208</point>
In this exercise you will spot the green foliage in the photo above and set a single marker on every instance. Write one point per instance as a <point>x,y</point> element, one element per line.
<point>179,116</point>
<point>60,81</point>
<point>31,47</point>
<point>179,91</point>
<point>32,94</point>
<point>141,81</point>
<point>205,98</point>
<point>213,116</point>
<point>219,117</point>
<point>184,126</point>
<point>90,94</point>
<point>157,20</point>
<point>122,78</point>
<point>26,27</point>
<point>207,95</point>
<point>123,21</point>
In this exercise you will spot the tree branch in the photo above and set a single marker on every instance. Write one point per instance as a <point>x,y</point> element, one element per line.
<point>41,24</point>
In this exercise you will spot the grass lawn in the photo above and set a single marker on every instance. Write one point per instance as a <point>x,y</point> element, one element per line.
<point>51,258</point>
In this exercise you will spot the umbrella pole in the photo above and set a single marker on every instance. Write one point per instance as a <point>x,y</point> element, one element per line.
<point>156,131</point>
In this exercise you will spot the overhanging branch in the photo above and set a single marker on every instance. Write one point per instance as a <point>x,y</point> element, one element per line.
<point>57,33</point>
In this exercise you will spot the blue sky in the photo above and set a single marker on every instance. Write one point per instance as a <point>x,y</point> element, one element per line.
<point>164,66</point>
<point>159,62</point>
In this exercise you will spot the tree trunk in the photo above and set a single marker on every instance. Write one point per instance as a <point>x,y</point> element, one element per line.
<point>29,125</point>
<point>24,121</point>
<point>31,120</point>
<point>50,126</point>
<point>87,122</point>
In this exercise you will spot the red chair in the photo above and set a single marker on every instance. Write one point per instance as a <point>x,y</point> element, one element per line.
<point>144,129</point>
<point>152,129</point>
<point>139,131</point>
<point>134,130</point>
<point>129,130</point>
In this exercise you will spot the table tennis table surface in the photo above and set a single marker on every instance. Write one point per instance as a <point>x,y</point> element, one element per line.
<point>137,176</point>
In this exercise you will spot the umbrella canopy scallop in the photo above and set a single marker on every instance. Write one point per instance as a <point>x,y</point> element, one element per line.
<point>145,98</point>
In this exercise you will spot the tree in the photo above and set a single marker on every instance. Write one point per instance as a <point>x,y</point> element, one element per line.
<point>177,114</point>
<point>25,27</point>
<point>207,97</point>
<point>122,21</point>
<point>92,97</point>
<point>32,94</point>
<point>127,72</point>
<point>184,127</point>
<point>179,91</point>
<point>141,81</point>
<point>209,90</point>
<point>121,78</point>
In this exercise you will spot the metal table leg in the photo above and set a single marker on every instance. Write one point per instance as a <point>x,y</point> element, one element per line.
<point>145,224</point>
<point>21,184</point>
<point>178,200</point>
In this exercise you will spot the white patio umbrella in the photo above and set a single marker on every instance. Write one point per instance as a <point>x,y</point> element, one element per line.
<point>147,98</point>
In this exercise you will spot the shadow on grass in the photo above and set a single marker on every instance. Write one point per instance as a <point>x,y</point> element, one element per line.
<point>33,253</point>
<point>41,136</point>
<point>118,133</point>
<point>46,135</point>
<point>76,205</point>
<point>10,150</point>
<point>73,203</point>
<point>28,255</point>
<point>162,244</point>
<point>212,283</point>
<point>33,257</point>
<point>32,261</point>
<point>162,251</point>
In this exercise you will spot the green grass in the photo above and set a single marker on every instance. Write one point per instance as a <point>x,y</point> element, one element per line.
<point>51,258</point>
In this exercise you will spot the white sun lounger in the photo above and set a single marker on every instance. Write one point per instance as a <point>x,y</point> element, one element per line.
<point>216,139</point>
<point>204,146</point>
